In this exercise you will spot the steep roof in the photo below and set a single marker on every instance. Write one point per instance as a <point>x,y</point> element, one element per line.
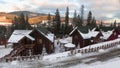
<point>44,30</point>
<point>88,33</point>
<point>46,34</point>
<point>85,29</point>
<point>107,34</point>
<point>17,35</point>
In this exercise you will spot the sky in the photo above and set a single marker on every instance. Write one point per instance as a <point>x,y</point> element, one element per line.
<point>105,10</point>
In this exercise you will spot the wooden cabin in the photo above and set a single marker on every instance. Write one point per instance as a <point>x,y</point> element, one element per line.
<point>109,33</point>
<point>84,39</point>
<point>114,34</point>
<point>31,42</point>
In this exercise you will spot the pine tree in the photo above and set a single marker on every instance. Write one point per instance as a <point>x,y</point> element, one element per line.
<point>21,22</point>
<point>89,19</point>
<point>14,24</point>
<point>101,24</point>
<point>79,21</point>
<point>57,22</point>
<point>66,21</point>
<point>82,13</point>
<point>111,24</point>
<point>115,23</point>
<point>75,18</point>
<point>49,19</point>
<point>28,26</point>
<point>93,22</point>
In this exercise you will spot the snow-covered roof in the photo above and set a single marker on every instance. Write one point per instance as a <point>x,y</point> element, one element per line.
<point>69,45</point>
<point>30,37</point>
<point>50,36</point>
<point>89,34</point>
<point>73,30</point>
<point>107,34</point>
<point>101,44</point>
<point>20,34</point>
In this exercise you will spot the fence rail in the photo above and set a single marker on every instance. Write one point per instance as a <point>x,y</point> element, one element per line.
<point>22,58</point>
<point>72,52</point>
<point>95,49</point>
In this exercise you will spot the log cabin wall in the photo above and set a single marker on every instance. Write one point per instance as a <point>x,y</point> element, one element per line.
<point>26,44</point>
<point>40,42</point>
<point>97,39</point>
<point>27,47</point>
<point>77,39</point>
<point>87,42</point>
<point>114,35</point>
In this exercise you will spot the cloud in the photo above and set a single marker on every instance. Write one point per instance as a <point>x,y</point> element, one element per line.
<point>101,9</point>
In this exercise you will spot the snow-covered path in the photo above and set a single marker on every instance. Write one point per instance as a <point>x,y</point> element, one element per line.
<point>66,60</point>
<point>75,61</point>
<point>78,62</point>
<point>4,51</point>
<point>112,63</point>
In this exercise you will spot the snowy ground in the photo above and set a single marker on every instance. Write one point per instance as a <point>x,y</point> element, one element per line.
<point>4,51</point>
<point>63,60</point>
<point>91,60</point>
<point>113,63</point>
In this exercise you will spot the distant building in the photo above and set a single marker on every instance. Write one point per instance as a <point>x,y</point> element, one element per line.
<point>4,21</point>
<point>84,39</point>
<point>109,33</point>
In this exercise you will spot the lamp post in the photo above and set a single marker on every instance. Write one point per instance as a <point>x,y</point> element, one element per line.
<point>5,36</point>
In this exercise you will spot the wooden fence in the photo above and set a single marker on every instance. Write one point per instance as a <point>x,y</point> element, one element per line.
<point>95,49</point>
<point>21,58</point>
<point>72,52</point>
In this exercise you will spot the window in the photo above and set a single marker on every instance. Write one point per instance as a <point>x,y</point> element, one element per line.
<point>114,33</point>
<point>76,37</point>
<point>39,41</point>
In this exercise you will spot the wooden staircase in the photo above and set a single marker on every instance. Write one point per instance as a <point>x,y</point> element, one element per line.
<point>16,51</point>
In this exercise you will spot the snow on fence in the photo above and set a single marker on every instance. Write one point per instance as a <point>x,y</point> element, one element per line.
<point>88,49</point>
<point>22,58</point>
<point>97,47</point>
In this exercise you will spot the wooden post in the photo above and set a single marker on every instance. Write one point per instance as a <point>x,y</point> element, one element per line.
<point>5,41</point>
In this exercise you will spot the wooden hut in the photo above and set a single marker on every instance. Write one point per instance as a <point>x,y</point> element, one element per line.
<point>84,39</point>
<point>31,42</point>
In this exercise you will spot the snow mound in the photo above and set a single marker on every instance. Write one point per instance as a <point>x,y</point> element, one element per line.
<point>15,62</point>
<point>101,50</point>
<point>69,45</point>
<point>5,51</point>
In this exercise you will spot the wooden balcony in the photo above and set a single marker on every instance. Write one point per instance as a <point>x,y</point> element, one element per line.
<point>29,45</point>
